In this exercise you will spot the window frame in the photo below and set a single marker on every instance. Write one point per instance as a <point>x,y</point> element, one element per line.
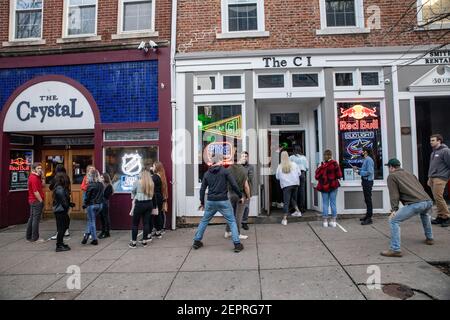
<point>273,73</point>
<point>380,85</point>
<point>121,20</point>
<point>304,87</point>
<point>12,23</point>
<point>231,90</point>
<point>359,20</point>
<point>354,78</point>
<point>66,22</point>
<point>217,84</point>
<point>421,22</point>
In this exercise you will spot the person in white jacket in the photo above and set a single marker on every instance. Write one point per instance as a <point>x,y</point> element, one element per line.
<point>288,173</point>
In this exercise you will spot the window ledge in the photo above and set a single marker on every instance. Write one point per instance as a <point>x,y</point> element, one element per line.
<point>244,34</point>
<point>341,30</point>
<point>79,39</point>
<point>19,43</point>
<point>135,35</point>
<point>436,26</point>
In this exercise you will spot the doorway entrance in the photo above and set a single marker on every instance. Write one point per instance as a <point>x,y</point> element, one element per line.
<point>75,162</point>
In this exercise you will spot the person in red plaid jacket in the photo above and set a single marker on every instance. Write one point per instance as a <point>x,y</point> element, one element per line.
<point>327,176</point>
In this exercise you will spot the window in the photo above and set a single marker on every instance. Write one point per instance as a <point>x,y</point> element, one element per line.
<point>340,13</point>
<point>241,18</point>
<point>82,16</point>
<point>305,80</point>
<point>359,126</point>
<point>137,15</point>
<point>28,19</point>
<point>344,79</point>
<point>124,164</point>
<point>284,119</point>
<point>271,81</point>
<point>434,12</point>
<point>132,135</point>
<point>205,82</point>
<point>232,82</point>
<point>219,131</point>
<point>370,79</point>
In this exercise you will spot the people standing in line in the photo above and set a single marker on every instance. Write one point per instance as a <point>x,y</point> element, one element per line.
<point>61,206</point>
<point>244,161</point>
<point>36,200</point>
<point>60,169</point>
<point>104,212</point>
<point>240,175</point>
<point>367,173</point>
<point>406,188</point>
<point>144,202</point>
<point>327,176</point>
<point>93,203</point>
<point>216,180</point>
<point>302,162</point>
<point>438,176</point>
<point>288,174</point>
<point>276,192</point>
<point>161,195</point>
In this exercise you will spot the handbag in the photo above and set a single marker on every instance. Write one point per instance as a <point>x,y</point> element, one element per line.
<point>155,212</point>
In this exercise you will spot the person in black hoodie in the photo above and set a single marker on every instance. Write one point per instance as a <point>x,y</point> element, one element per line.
<point>160,195</point>
<point>60,169</point>
<point>93,202</point>
<point>61,205</point>
<point>104,213</point>
<point>216,179</point>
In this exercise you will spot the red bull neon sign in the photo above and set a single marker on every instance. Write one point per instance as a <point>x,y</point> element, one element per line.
<point>356,118</point>
<point>19,164</point>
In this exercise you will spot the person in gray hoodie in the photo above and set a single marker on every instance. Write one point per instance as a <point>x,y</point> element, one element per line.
<point>438,176</point>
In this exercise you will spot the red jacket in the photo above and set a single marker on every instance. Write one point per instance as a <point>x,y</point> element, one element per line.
<point>328,175</point>
<point>84,184</point>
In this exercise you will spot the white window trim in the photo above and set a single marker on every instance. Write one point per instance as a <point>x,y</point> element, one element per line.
<point>359,19</point>
<point>319,87</point>
<point>260,32</point>
<point>272,73</point>
<point>121,34</point>
<point>215,75</point>
<point>12,28</point>
<point>83,37</point>
<point>421,22</point>
<point>357,80</point>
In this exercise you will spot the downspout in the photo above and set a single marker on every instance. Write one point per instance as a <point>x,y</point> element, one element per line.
<point>173,103</point>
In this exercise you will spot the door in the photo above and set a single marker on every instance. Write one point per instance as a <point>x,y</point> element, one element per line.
<point>75,162</point>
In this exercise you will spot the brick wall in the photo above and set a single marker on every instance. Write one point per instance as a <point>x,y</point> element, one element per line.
<point>106,24</point>
<point>293,24</point>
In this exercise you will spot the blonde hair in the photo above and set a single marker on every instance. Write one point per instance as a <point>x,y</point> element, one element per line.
<point>147,185</point>
<point>286,165</point>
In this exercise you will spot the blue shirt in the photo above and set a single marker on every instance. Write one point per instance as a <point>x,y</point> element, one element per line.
<point>367,169</point>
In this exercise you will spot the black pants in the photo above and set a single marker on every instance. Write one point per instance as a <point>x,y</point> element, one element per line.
<point>62,224</point>
<point>158,221</point>
<point>301,193</point>
<point>277,194</point>
<point>104,218</point>
<point>289,195</point>
<point>367,190</point>
<point>142,209</point>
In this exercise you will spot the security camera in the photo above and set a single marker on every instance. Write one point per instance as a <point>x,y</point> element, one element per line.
<point>142,46</point>
<point>153,44</point>
<point>387,81</point>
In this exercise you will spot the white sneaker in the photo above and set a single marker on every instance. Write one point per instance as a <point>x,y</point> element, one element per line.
<point>297,214</point>
<point>333,224</point>
<point>67,234</point>
<point>243,237</point>
<point>274,204</point>
<point>54,237</point>
<point>280,205</point>
<point>227,235</point>
<point>325,223</point>
<point>284,222</point>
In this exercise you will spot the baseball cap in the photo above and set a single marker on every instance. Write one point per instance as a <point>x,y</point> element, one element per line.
<point>394,162</point>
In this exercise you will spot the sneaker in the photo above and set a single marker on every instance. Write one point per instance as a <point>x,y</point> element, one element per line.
<point>101,235</point>
<point>40,240</point>
<point>245,226</point>
<point>280,205</point>
<point>197,244</point>
<point>85,239</point>
<point>284,222</point>
<point>148,240</point>
<point>238,247</point>
<point>54,237</point>
<point>325,223</point>
<point>333,223</point>
<point>445,223</point>
<point>158,235</point>
<point>363,218</point>
<point>132,245</point>
<point>438,220</point>
<point>94,242</point>
<point>297,214</point>
<point>144,243</point>
<point>62,248</point>
<point>227,235</point>
<point>390,253</point>
<point>366,222</point>
<point>65,245</point>
<point>429,242</point>
<point>243,237</point>
<point>274,204</point>
<point>67,233</point>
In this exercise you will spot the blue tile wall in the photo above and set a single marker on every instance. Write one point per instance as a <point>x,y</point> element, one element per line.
<point>124,92</point>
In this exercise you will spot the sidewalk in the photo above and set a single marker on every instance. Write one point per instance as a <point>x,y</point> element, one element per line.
<point>298,261</point>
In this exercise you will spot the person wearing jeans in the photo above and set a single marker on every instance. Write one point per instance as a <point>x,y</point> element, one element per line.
<point>406,188</point>
<point>367,175</point>
<point>329,201</point>
<point>36,201</point>
<point>93,203</point>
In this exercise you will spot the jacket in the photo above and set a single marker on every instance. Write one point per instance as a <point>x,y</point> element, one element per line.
<point>216,180</point>
<point>61,199</point>
<point>94,194</point>
<point>405,187</point>
<point>327,176</point>
<point>288,179</point>
<point>440,163</point>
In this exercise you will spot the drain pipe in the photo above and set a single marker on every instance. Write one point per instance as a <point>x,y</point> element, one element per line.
<point>173,104</point>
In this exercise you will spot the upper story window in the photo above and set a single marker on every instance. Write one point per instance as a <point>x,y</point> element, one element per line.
<point>359,78</point>
<point>137,15</point>
<point>341,17</point>
<point>82,17</point>
<point>28,19</point>
<point>271,81</point>
<point>434,13</point>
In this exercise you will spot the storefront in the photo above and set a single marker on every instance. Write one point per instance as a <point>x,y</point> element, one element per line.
<point>108,109</point>
<point>339,99</point>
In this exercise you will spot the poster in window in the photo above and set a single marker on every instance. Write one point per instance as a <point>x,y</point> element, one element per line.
<point>19,169</point>
<point>359,126</point>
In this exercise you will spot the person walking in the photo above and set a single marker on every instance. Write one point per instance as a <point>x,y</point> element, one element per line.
<point>216,180</point>
<point>406,188</point>
<point>161,196</point>
<point>93,203</point>
<point>60,169</point>
<point>367,173</point>
<point>302,162</point>
<point>250,174</point>
<point>36,201</point>
<point>327,176</point>
<point>144,202</point>
<point>104,212</point>
<point>438,176</point>
<point>288,174</point>
<point>61,206</point>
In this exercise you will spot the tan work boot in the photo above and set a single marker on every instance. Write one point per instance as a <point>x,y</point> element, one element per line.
<point>390,253</point>
<point>429,242</point>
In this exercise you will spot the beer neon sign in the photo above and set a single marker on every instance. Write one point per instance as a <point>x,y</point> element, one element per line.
<point>19,164</point>
<point>226,149</point>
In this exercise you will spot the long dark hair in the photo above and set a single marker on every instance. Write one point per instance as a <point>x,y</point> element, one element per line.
<point>61,179</point>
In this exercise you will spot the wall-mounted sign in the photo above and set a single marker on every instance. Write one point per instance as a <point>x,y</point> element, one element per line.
<point>438,57</point>
<point>433,80</point>
<point>358,117</point>
<point>297,61</point>
<point>230,127</point>
<point>131,167</point>
<point>49,105</point>
<point>19,168</point>
<point>226,149</point>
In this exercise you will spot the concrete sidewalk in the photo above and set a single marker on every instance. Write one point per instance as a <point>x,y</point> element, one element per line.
<point>298,261</point>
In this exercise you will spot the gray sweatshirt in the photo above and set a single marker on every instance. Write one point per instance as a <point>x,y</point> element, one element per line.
<point>440,163</point>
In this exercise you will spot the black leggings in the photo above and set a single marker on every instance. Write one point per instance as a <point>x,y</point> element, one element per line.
<point>158,221</point>
<point>141,209</point>
<point>104,217</point>
<point>62,224</point>
<point>289,195</point>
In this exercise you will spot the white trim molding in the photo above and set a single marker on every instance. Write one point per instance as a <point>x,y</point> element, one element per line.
<point>13,41</point>
<point>132,34</point>
<point>333,30</point>
<point>66,38</point>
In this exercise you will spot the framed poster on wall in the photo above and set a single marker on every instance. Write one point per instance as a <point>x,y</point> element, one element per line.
<point>19,168</point>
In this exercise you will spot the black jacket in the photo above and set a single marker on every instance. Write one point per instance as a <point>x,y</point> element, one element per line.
<point>94,194</point>
<point>216,179</point>
<point>107,193</point>
<point>61,199</point>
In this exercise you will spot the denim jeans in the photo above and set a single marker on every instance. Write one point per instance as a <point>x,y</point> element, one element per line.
<point>92,212</point>
<point>422,208</point>
<point>246,212</point>
<point>32,233</point>
<point>289,196</point>
<point>225,209</point>
<point>329,200</point>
